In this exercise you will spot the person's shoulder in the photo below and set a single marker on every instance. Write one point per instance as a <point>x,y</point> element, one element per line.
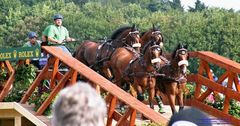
<point>27,44</point>
<point>64,28</point>
<point>50,27</point>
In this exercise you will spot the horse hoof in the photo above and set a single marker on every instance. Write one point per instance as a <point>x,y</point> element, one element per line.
<point>181,108</point>
<point>140,97</point>
<point>161,111</point>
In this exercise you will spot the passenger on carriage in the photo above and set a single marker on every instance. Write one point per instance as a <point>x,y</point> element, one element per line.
<point>33,42</point>
<point>57,34</point>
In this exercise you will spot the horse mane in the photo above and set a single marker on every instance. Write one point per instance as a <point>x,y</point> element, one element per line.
<point>119,31</point>
<point>143,33</point>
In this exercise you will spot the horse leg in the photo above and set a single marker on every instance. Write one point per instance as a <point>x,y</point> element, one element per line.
<point>180,100</point>
<point>151,93</point>
<point>160,104</point>
<point>180,96</point>
<point>172,98</point>
<point>140,96</point>
<point>171,94</point>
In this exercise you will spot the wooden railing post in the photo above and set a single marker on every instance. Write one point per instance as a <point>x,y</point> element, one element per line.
<point>111,109</point>
<point>9,82</point>
<point>227,99</point>
<point>54,72</point>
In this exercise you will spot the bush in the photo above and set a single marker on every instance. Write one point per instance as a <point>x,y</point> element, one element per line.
<point>234,106</point>
<point>25,75</point>
<point>189,91</point>
<point>3,76</point>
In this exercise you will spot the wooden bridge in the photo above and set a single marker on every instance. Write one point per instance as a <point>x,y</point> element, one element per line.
<point>58,80</point>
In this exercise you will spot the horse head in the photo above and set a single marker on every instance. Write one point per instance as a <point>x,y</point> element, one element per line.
<point>152,53</point>
<point>153,34</point>
<point>133,38</point>
<point>181,56</point>
<point>127,36</point>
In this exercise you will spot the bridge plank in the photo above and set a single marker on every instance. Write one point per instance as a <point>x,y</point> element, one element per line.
<point>105,84</point>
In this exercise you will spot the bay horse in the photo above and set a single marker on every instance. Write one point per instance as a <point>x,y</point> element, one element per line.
<point>153,34</point>
<point>172,84</point>
<point>140,71</point>
<point>96,55</point>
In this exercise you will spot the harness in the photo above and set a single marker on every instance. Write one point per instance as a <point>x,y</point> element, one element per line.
<point>99,59</point>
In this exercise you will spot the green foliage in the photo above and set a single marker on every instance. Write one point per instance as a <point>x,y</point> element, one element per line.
<point>3,76</point>
<point>189,91</point>
<point>234,106</point>
<point>38,99</point>
<point>24,76</point>
<point>152,124</point>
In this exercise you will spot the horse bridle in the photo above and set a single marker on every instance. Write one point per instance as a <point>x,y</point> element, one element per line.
<point>159,34</point>
<point>157,59</point>
<point>182,51</point>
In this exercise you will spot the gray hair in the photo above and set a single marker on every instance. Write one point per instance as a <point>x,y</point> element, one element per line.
<point>79,105</point>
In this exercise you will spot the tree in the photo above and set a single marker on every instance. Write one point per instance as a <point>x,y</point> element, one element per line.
<point>176,4</point>
<point>199,6</point>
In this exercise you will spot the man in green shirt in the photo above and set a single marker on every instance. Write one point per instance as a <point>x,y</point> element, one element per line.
<point>57,34</point>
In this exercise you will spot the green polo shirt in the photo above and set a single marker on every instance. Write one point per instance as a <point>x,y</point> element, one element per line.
<point>56,32</point>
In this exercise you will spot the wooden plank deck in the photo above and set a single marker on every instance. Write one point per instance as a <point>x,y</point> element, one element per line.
<point>22,110</point>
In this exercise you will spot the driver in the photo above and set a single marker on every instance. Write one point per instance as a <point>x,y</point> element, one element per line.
<point>56,34</point>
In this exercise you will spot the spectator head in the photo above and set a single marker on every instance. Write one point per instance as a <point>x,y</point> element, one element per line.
<point>79,105</point>
<point>190,117</point>
<point>32,35</point>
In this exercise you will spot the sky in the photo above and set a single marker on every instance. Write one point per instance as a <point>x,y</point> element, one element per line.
<point>227,4</point>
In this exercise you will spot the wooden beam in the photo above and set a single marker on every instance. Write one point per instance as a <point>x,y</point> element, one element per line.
<point>7,86</point>
<point>55,70</point>
<point>219,88</point>
<point>133,117</point>
<point>205,94</point>
<point>226,103</point>
<point>122,120</point>
<point>18,121</point>
<point>220,61</point>
<point>74,77</point>
<point>54,92</point>
<point>111,109</point>
<point>117,116</point>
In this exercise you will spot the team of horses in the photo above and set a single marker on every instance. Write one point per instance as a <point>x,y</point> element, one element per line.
<point>136,63</point>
